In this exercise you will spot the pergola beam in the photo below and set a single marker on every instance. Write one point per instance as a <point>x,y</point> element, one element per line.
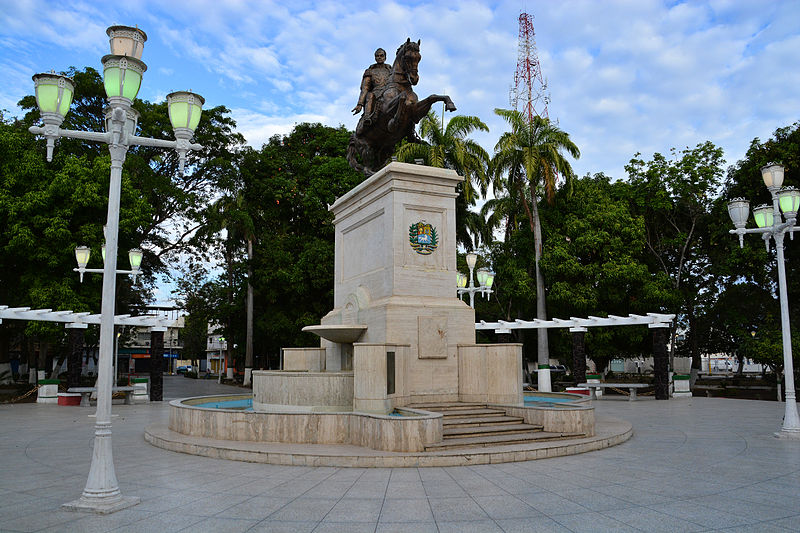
<point>653,320</point>
<point>81,319</point>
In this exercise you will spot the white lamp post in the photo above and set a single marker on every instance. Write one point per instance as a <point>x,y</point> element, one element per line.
<point>485,281</point>
<point>122,77</point>
<point>771,224</point>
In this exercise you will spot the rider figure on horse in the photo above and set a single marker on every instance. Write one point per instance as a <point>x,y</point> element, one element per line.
<point>375,77</point>
<point>391,108</point>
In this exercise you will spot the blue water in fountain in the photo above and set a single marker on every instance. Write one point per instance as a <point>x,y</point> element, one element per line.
<point>544,400</point>
<point>241,405</point>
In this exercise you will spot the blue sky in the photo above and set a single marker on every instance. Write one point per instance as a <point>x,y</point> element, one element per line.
<point>624,76</point>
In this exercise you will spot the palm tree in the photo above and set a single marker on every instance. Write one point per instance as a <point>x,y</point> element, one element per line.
<point>449,147</point>
<point>527,161</point>
<point>230,213</point>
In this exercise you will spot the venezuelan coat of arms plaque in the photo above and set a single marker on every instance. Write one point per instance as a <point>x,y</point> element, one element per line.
<point>423,237</point>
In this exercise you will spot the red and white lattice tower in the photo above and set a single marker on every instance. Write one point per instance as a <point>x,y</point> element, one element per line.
<point>529,92</point>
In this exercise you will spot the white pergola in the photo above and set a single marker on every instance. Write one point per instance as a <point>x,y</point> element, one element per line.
<point>652,320</point>
<point>82,320</point>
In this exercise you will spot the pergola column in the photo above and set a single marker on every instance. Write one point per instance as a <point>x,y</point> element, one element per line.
<point>157,364</point>
<point>661,361</point>
<point>578,355</point>
<point>75,354</point>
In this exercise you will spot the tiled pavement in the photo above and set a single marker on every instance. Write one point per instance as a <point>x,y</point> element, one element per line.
<point>702,464</point>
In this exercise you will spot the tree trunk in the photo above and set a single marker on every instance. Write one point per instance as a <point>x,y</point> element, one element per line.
<point>579,357</point>
<point>740,358</point>
<point>660,361</point>
<point>28,357</point>
<point>248,357</point>
<point>228,327</point>
<point>541,301</point>
<point>42,359</point>
<point>156,365</point>
<point>74,358</point>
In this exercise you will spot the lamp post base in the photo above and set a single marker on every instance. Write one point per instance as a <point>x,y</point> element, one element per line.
<point>101,505</point>
<point>788,434</point>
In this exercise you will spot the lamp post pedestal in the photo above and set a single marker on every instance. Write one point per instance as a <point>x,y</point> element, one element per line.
<point>102,495</point>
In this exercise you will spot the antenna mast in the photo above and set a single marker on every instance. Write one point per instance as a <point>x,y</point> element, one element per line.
<point>529,92</point>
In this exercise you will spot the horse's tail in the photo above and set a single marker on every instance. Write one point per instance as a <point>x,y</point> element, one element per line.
<point>352,151</point>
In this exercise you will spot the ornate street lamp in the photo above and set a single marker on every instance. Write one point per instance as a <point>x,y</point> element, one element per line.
<point>122,76</point>
<point>772,225</point>
<point>82,254</point>
<point>485,281</point>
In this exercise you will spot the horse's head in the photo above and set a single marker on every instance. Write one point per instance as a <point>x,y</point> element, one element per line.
<point>407,60</point>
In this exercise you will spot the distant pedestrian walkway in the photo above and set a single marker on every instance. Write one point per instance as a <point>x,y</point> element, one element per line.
<point>702,464</point>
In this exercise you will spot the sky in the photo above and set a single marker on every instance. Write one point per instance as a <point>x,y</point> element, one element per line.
<point>623,76</point>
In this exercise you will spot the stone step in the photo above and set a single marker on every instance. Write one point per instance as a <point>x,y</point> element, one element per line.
<point>451,406</point>
<point>474,421</point>
<point>476,431</point>
<point>457,413</point>
<point>500,440</point>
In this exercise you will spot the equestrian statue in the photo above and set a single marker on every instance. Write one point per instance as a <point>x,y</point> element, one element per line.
<point>391,108</point>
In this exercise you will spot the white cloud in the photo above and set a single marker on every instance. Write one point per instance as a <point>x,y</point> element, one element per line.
<point>257,128</point>
<point>624,76</point>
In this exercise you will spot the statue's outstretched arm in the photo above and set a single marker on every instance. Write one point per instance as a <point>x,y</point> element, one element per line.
<point>366,85</point>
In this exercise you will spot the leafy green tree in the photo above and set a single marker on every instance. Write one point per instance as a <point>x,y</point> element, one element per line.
<point>197,297</point>
<point>47,209</point>
<point>527,162</point>
<point>596,263</point>
<point>675,197</point>
<point>228,224</point>
<point>730,324</point>
<point>52,207</point>
<point>753,264</point>
<point>450,147</point>
<point>174,204</point>
<point>279,202</point>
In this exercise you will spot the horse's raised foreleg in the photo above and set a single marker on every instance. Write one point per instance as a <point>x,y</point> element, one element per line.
<point>398,109</point>
<point>422,107</point>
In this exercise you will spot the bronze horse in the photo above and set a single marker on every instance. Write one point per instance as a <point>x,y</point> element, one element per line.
<point>397,112</point>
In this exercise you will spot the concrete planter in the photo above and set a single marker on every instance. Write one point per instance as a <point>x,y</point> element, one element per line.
<point>595,378</point>
<point>48,391</point>
<point>681,386</point>
<point>141,394</point>
<point>69,398</point>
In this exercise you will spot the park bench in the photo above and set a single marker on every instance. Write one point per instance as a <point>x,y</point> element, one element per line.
<point>630,386</point>
<point>86,393</point>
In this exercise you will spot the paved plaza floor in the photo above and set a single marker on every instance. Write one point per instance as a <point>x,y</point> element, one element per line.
<point>702,464</point>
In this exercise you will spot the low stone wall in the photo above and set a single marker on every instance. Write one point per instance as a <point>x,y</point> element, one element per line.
<point>490,373</point>
<point>304,359</point>
<point>567,419</point>
<point>282,391</point>
<point>379,432</point>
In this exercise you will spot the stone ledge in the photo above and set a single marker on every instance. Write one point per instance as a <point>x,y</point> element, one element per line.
<point>609,432</point>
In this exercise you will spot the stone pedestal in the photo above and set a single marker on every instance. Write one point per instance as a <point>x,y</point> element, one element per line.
<point>395,271</point>
<point>397,323</point>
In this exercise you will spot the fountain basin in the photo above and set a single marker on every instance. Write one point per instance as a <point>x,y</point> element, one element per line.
<point>302,392</point>
<point>341,333</point>
<point>411,431</point>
